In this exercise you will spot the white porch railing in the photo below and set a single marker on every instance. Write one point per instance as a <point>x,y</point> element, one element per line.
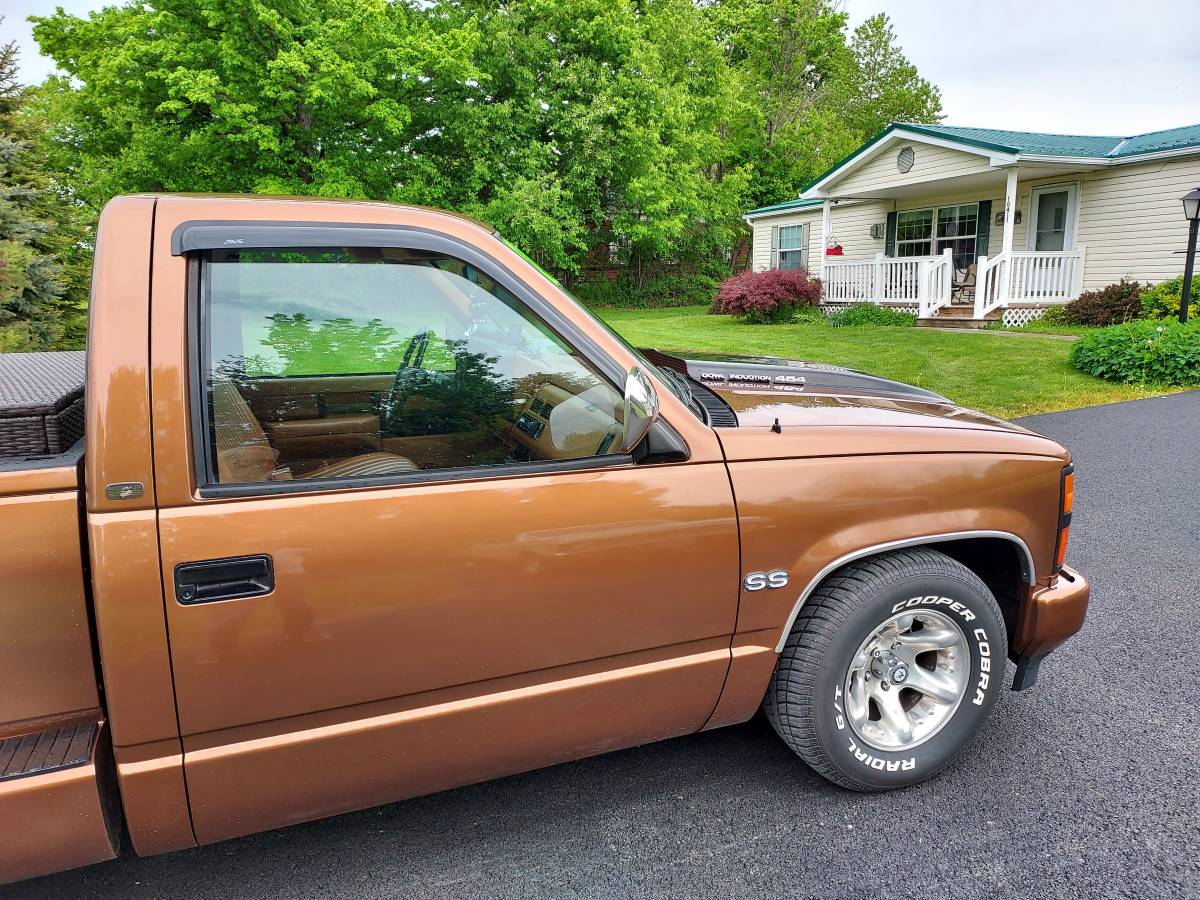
<point>937,281</point>
<point>1027,276</point>
<point>921,281</point>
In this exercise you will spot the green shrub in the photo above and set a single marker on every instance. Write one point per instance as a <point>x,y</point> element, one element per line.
<point>1141,352</point>
<point>682,288</point>
<point>602,292</point>
<point>1114,303</point>
<point>1162,300</point>
<point>1054,315</point>
<point>810,315</point>
<point>666,290</point>
<point>870,314</point>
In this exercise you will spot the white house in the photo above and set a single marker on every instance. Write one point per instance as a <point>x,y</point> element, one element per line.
<point>919,218</point>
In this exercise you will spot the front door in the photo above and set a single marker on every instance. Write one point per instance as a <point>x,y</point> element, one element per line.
<point>1052,217</point>
<point>417,556</point>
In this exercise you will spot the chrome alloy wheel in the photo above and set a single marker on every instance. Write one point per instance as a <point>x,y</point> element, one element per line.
<point>907,679</point>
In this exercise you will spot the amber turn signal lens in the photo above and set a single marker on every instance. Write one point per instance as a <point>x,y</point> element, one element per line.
<point>1061,557</point>
<point>1068,493</point>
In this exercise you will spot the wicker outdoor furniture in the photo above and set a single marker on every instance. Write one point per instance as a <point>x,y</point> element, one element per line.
<point>41,402</point>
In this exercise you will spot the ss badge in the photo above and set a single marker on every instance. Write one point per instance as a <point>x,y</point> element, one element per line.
<point>756,581</point>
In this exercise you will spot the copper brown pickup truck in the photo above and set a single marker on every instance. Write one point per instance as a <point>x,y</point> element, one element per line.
<point>367,506</point>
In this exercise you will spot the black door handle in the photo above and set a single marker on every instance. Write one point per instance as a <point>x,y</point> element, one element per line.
<point>224,579</point>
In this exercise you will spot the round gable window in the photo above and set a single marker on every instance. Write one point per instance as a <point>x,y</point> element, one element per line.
<point>905,159</point>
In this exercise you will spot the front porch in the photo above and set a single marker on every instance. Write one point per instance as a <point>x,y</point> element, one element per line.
<point>1014,286</point>
<point>968,230</point>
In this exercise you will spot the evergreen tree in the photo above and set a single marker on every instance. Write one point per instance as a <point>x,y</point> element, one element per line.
<point>31,286</point>
<point>884,86</point>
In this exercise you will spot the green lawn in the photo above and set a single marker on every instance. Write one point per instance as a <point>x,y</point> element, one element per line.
<point>1036,327</point>
<point>1006,375</point>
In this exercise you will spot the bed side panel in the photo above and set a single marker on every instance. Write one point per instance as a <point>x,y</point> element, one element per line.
<point>46,665</point>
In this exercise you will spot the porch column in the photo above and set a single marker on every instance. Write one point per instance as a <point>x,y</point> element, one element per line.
<point>1010,215</point>
<point>825,212</point>
<point>1010,209</point>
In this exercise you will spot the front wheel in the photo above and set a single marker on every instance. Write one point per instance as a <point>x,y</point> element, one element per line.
<point>891,667</point>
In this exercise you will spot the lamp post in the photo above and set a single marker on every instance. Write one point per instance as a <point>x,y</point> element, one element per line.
<point>1191,211</point>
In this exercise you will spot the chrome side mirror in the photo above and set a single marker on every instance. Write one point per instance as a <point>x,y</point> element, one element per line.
<point>641,408</point>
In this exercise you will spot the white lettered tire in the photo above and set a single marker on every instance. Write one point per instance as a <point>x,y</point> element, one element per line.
<point>871,689</point>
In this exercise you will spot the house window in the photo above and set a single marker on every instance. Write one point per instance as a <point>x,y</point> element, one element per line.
<point>928,232</point>
<point>956,227</point>
<point>914,232</point>
<point>791,247</point>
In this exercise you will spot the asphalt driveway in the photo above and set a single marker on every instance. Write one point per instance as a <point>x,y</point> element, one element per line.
<point>1086,786</point>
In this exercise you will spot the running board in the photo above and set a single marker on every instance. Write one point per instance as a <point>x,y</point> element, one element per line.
<point>58,805</point>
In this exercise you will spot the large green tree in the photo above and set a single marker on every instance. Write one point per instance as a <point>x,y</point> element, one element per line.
<point>628,133</point>
<point>320,97</point>
<point>788,58</point>
<point>597,123</point>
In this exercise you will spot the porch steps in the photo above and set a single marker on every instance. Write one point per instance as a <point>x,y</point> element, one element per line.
<point>959,317</point>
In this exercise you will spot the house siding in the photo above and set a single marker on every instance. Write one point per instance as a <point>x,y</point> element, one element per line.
<point>851,225</point>
<point>760,258</point>
<point>930,164</point>
<point>1131,220</point>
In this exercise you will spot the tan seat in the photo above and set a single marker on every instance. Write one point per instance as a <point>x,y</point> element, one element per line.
<point>244,453</point>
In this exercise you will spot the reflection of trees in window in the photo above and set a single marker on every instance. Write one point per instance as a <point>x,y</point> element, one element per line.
<point>335,346</point>
<point>466,401</point>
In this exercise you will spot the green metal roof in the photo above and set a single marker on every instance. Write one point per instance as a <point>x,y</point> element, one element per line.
<point>1111,146</point>
<point>1021,143</point>
<point>1153,141</point>
<point>781,207</point>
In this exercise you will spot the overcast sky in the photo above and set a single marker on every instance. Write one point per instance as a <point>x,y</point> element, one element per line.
<point>1069,66</point>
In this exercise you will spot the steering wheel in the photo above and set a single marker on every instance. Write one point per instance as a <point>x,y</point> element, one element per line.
<point>409,375</point>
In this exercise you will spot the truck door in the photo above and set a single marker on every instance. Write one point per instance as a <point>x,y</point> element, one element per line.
<point>401,547</point>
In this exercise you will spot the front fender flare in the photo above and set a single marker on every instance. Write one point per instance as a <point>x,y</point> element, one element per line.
<point>1028,569</point>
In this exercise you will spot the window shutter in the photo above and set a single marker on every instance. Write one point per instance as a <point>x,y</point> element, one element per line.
<point>774,246</point>
<point>983,228</point>
<point>889,241</point>
<point>804,230</point>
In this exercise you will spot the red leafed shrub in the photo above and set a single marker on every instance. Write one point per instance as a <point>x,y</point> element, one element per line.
<point>770,296</point>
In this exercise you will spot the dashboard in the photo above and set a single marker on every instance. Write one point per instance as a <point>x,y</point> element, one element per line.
<point>558,422</point>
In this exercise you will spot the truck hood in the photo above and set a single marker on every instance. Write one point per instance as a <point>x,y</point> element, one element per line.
<point>765,390</point>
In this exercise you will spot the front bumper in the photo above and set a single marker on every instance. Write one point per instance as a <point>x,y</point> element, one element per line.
<point>1047,618</point>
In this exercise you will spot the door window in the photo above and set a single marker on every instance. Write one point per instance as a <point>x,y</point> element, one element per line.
<point>1051,229</point>
<point>352,362</point>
